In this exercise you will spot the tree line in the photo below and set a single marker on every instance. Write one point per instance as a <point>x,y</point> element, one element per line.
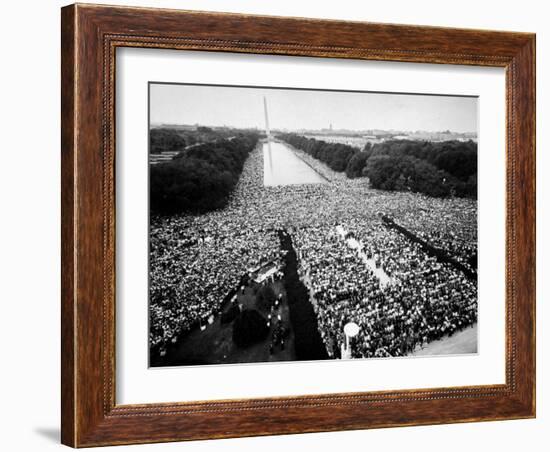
<point>439,169</point>
<point>200,178</point>
<point>176,139</point>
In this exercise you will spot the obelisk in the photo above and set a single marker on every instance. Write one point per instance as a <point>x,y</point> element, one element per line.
<point>267,132</point>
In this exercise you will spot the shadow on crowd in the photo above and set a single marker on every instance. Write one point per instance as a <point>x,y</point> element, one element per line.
<point>439,254</point>
<point>171,358</point>
<point>307,339</point>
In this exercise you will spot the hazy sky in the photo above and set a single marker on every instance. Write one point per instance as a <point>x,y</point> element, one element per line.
<point>308,109</point>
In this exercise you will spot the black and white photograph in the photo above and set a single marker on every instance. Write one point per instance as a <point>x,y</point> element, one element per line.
<point>292,224</point>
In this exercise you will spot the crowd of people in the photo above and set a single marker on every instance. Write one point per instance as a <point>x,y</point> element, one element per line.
<point>195,260</point>
<point>452,228</point>
<point>424,301</point>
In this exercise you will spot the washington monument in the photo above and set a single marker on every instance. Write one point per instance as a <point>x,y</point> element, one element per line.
<point>267,131</point>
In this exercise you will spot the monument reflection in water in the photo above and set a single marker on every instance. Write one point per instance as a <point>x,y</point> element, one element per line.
<point>284,167</point>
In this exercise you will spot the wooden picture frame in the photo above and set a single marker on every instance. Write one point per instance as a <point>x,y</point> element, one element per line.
<point>90,35</point>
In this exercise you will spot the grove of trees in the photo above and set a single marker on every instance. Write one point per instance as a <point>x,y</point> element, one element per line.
<point>439,169</point>
<point>200,178</point>
<point>167,140</point>
<point>265,298</point>
<point>249,327</point>
<point>163,139</point>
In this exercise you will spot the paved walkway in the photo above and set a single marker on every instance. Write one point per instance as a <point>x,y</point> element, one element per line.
<point>354,244</point>
<point>460,343</point>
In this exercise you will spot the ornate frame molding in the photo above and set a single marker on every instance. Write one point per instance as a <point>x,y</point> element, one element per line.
<point>90,37</point>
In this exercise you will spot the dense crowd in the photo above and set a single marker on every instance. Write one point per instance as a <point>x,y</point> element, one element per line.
<point>191,273</point>
<point>424,301</point>
<point>196,260</point>
<point>452,228</point>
